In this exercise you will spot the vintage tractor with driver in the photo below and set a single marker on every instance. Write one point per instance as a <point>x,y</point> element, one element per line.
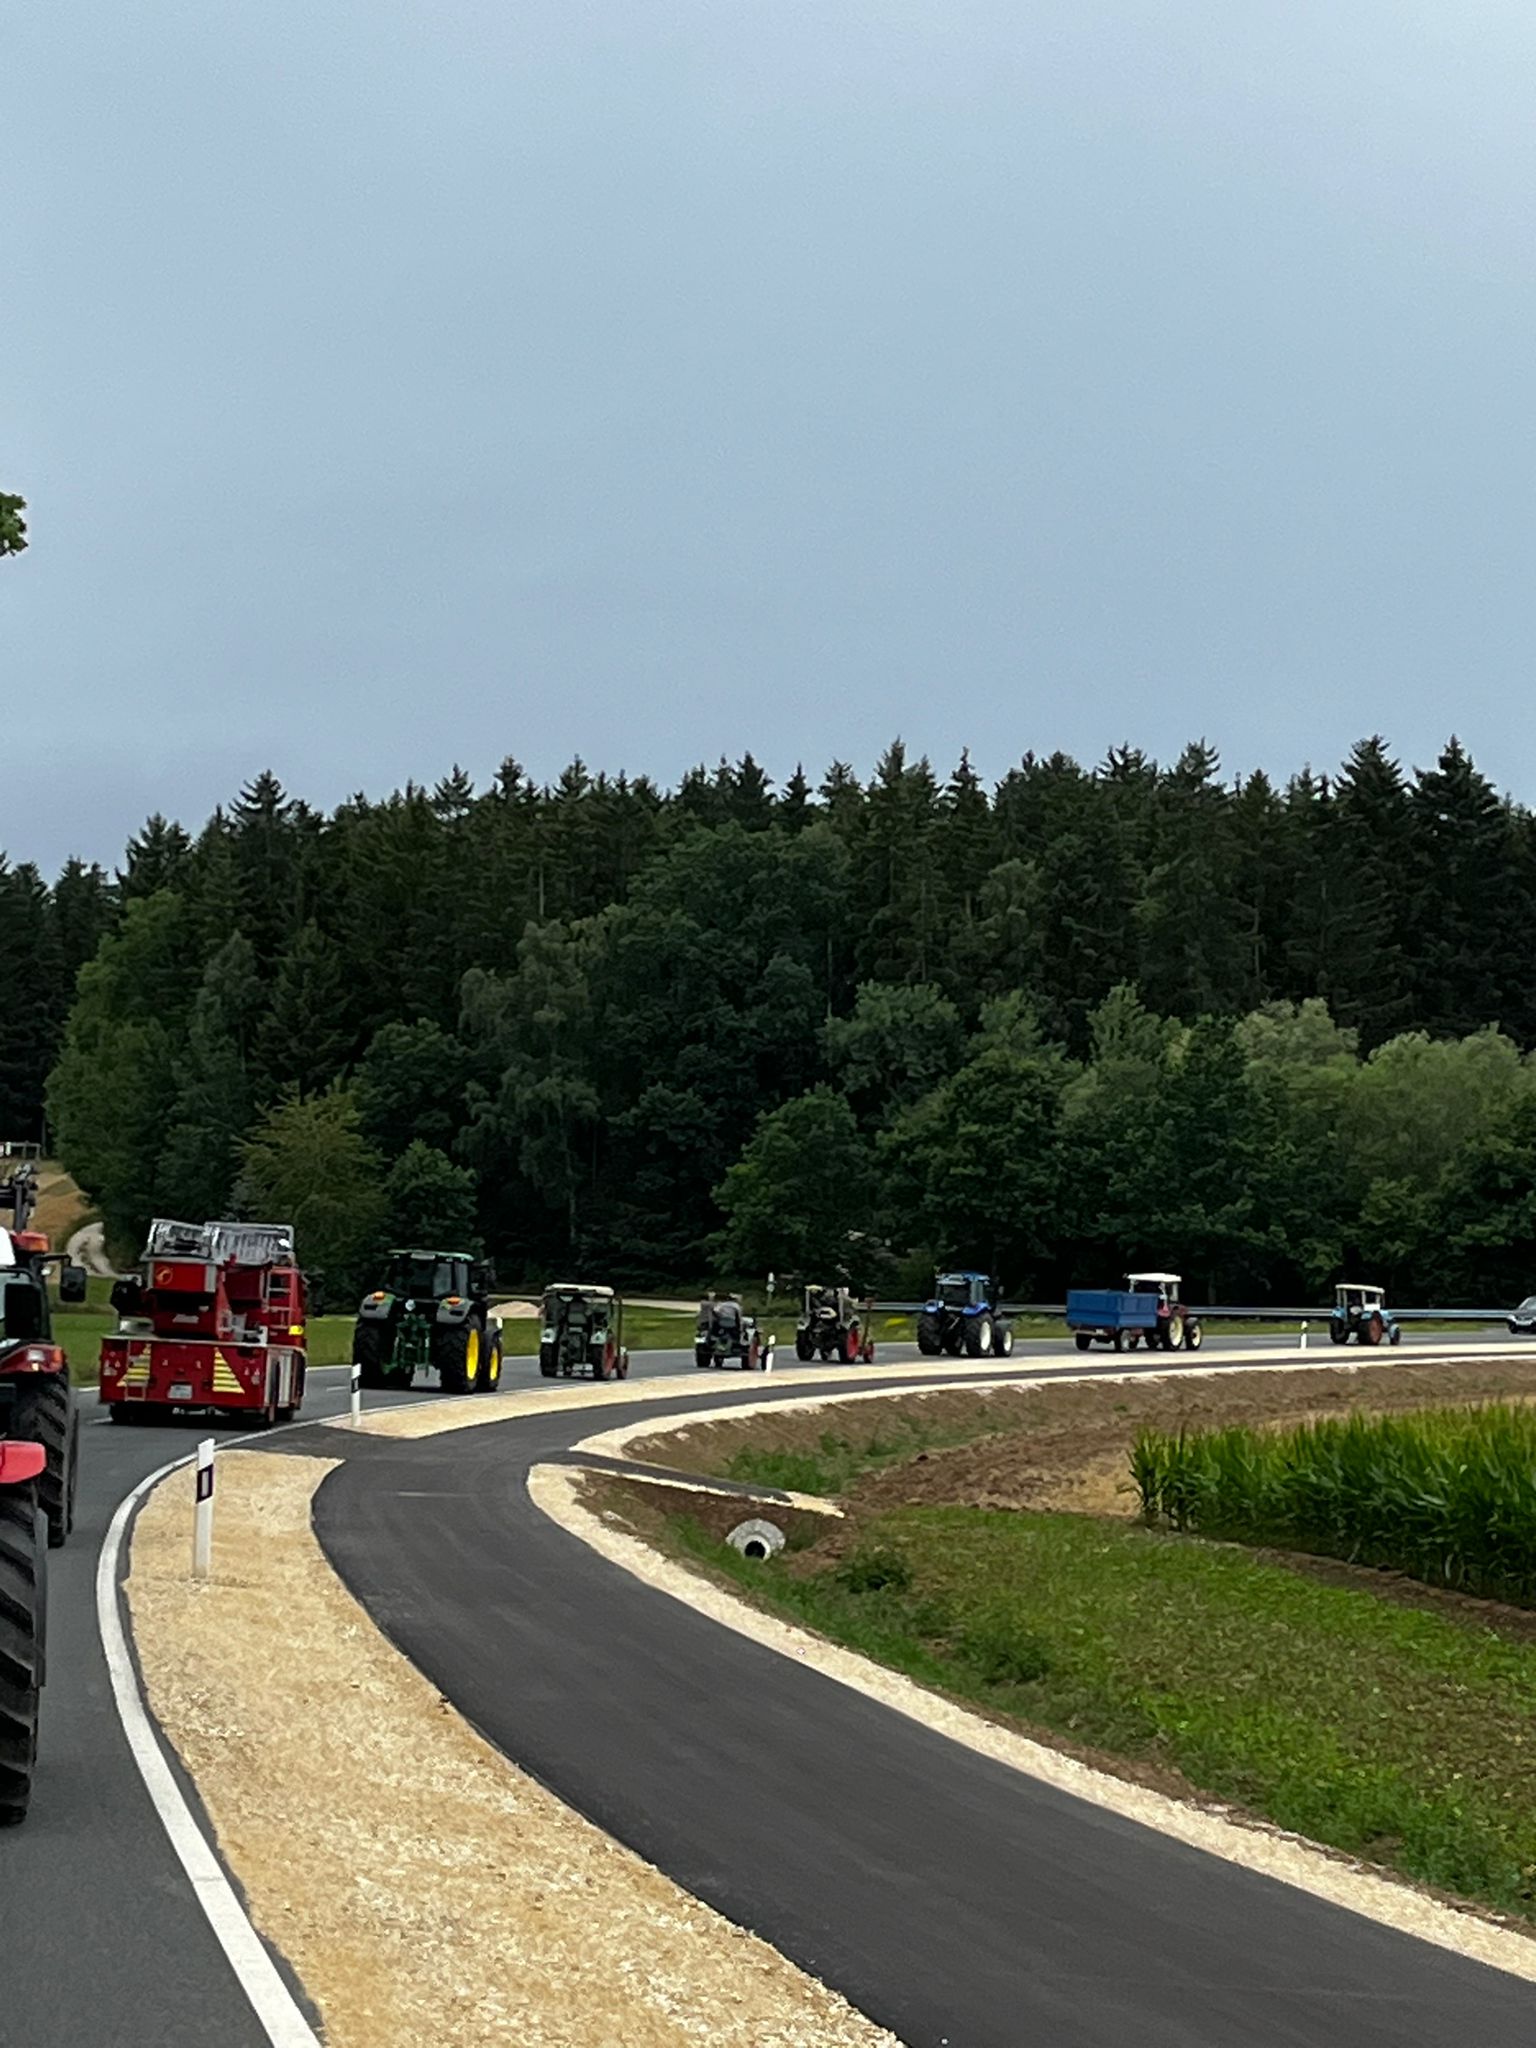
<point>727,1334</point>
<point>1360,1311</point>
<point>832,1326</point>
<point>965,1318</point>
<point>37,1401</point>
<point>582,1333</point>
<point>431,1313</point>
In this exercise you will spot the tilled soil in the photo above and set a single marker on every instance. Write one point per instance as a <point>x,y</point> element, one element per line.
<point>1066,1445</point>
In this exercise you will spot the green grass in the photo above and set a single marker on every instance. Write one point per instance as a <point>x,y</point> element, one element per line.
<point>837,1460</point>
<point>1447,1495</point>
<point>1393,1733</point>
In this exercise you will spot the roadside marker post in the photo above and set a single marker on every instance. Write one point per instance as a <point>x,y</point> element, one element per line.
<point>357,1393</point>
<point>202,1514</point>
<point>1304,1335</point>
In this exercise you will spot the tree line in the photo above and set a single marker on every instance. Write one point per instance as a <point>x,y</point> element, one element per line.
<point>1262,1033</point>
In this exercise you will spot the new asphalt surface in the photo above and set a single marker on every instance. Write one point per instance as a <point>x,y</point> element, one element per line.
<point>715,1767</point>
<point>955,1900</point>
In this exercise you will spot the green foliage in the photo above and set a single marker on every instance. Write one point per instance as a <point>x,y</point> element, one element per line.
<point>428,1200</point>
<point>1083,1019</point>
<point>13,525</point>
<point>796,1197</point>
<point>1448,1496</point>
<point>308,1164</point>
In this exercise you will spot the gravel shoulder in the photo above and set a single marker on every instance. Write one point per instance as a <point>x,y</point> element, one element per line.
<point>423,1888</point>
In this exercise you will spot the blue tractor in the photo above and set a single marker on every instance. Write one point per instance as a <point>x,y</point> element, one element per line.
<point>1361,1312</point>
<point>965,1318</point>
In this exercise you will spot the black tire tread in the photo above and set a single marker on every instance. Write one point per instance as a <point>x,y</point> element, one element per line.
<point>44,1413</point>
<point>21,1648</point>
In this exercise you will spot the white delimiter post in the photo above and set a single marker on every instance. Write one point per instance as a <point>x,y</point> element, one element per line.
<point>357,1393</point>
<point>1304,1329</point>
<point>202,1514</point>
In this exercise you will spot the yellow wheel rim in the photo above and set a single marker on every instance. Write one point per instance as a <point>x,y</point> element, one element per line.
<point>493,1369</point>
<point>472,1358</point>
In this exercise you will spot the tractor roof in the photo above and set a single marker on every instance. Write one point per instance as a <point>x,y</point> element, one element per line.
<point>416,1251</point>
<point>1361,1287</point>
<point>962,1274</point>
<point>579,1287</point>
<point>1162,1279</point>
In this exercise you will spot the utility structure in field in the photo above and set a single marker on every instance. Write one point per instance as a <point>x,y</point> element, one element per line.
<point>216,1318</point>
<point>431,1313</point>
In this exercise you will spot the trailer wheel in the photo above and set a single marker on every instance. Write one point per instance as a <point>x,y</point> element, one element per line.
<point>23,1630</point>
<point>44,1413</point>
<point>1082,1340</point>
<point>1117,1339</point>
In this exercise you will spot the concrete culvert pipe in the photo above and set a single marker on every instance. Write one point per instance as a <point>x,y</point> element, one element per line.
<point>756,1539</point>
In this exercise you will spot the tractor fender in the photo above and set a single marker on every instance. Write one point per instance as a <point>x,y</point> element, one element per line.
<point>451,1312</point>
<point>377,1308</point>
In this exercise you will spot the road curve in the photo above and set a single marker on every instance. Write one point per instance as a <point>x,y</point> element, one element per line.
<point>954,1900</point>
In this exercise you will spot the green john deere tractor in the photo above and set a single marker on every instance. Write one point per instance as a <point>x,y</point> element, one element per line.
<point>430,1314</point>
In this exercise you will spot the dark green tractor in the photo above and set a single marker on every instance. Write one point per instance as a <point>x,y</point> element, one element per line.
<point>582,1333</point>
<point>431,1314</point>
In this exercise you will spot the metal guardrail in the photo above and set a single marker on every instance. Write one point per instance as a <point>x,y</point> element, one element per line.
<point>1223,1312</point>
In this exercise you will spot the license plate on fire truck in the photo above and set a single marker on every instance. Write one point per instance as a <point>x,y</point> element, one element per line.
<point>182,1391</point>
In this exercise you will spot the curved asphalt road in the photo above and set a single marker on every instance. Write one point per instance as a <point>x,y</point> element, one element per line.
<point>103,1945</point>
<point>954,1900</point>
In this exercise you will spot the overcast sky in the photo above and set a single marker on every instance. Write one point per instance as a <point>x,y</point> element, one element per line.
<point>402,382</point>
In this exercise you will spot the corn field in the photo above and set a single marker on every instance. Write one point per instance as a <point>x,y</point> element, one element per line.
<point>1447,1496</point>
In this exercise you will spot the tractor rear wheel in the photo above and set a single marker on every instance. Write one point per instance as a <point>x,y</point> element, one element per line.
<point>456,1356</point>
<point>805,1346</point>
<point>549,1361</point>
<point>930,1335</point>
<point>851,1345</point>
<point>23,1624</point>
<point>372,1344</point>
<point>978,1337</point>
<point>44,1413</point>
<point>490,1371</point>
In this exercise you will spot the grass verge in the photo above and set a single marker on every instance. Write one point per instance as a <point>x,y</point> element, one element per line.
<point>1399,1734</point>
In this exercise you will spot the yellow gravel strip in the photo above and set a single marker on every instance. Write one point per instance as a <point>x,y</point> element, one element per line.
<point>428,1894</point>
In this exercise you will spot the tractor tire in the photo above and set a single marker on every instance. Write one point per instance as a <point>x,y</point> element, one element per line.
<point>1395,1334</point>
<point>954,1344</point>
<point>456,1355</point>
<point>1194,1336</point>
<point>372,1344</point>
<point>703,1356</point>
<point>490,1371</point>
<point>978,1337</point>
<point>1117,1340</point>
<point>549,1363</point>
<point>1370,1330</point>
<point>930,1336</point>
<point>44,1413</point>
<point>805,1346</point>
<point>1003,1345</point>
<point>23,1629</point>
<point>850,1346</point>
<point>1338,1333</point>
<point>1173,1334</point>
<point>1082,1340</point>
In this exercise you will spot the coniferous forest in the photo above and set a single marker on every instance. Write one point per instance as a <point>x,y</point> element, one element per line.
<point>1267,1035</point>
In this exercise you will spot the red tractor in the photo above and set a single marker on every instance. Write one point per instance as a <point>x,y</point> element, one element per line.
<point>37,1401</point>
<point>216,1319</point>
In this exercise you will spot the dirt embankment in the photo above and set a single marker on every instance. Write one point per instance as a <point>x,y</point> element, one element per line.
<point>1065,1446</point>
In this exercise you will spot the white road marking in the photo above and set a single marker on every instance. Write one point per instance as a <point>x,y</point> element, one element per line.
<point>276,2010</point>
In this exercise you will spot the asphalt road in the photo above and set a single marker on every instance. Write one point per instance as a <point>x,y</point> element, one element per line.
<point>956,1901</point>
<point>103,1944</point>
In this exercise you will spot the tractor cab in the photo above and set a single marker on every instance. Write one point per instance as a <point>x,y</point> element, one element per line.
<point>964,1291</point>
<point>434,1276</point>
<point>832,1326</point>
<point>583,1332</point>
<point>1360,1311</point>
<point>1165,1286</point>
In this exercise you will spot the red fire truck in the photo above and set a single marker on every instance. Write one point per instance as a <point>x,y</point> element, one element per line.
<point>215,1319</point>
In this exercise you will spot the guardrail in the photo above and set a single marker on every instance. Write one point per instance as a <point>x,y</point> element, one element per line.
<point>1224,1312</point>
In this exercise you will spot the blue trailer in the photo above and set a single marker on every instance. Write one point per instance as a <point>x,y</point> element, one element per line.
<point>1145,1310</point>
